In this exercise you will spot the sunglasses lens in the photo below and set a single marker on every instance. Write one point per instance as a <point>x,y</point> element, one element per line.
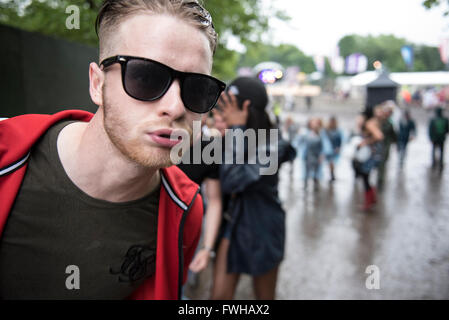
<point>200,93</point>
<point>145,80</point>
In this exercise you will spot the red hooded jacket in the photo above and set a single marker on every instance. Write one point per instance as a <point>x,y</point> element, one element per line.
<point>180,205</point>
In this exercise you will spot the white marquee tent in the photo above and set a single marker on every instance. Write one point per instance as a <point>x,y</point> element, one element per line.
<point>404,78</point>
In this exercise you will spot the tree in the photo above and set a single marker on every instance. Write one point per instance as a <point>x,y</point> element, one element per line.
<point>434,3</point>
<point>286,54</point>
<point>244,20</point>
<point>428,59</point>
<point>387,49</point>
<point>49,18</point>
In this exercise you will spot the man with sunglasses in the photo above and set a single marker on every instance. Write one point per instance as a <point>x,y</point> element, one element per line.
<point>90,205</point>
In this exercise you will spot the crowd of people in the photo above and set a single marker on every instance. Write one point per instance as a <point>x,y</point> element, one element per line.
<point>428,98</point>
<point>316,144</point>
<point>250,207</point>
<point>377,129</point>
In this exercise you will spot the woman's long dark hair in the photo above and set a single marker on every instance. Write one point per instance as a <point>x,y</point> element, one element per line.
<point>259,119</point>
<point>252,89</point>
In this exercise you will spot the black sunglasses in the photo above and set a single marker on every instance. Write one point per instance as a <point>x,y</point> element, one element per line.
<point>148,80</point>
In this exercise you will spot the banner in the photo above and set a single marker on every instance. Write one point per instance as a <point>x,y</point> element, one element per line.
<point>444,51</point>
<point>356,63</point>
<point>291,74</point>
<point>408,56</point>
<point>337,62</point>
<point>320,63</point>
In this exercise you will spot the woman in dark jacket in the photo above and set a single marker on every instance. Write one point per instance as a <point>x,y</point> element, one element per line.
<point>253,231</point>
<point>407,132</point>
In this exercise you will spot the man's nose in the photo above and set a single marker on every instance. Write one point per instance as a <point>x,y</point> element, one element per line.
<point>171,104</point>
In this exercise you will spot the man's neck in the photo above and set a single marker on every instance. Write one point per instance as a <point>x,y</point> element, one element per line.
<point>99,169</point>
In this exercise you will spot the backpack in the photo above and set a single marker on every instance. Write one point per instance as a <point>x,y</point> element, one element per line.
<point>440,125</point>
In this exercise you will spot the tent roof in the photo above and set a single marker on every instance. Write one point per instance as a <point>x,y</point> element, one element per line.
<point>405,78</point>
<point>382,81</point>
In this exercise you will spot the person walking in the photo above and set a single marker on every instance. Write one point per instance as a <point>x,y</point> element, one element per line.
<point>253,234</point>
<point>438,129</point>
<point>308,103</point>
<point>407,132</point>
<point>390,137</point>
<point>369,153</point>
<point>335,137</point>
<point>313,152</point>
<point>292,130</point>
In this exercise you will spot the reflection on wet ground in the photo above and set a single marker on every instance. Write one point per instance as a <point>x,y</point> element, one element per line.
<point>330,242</point>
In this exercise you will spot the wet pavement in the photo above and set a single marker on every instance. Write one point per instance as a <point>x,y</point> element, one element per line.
<point>330,242</point>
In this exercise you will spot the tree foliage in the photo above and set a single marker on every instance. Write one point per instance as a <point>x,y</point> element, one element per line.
<point>430,3</point>
<point>434,3</point>
<point>286,54</point>
<point>387,49</point>
<point>49,18</point>
<point>244,20</point>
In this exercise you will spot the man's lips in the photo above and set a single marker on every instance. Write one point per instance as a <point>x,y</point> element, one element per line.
<point>162,137</point>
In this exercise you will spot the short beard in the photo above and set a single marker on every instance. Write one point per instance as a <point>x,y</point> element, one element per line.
<point>133,149</point>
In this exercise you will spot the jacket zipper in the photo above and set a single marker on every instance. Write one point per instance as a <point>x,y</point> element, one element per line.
<point>180,244</point>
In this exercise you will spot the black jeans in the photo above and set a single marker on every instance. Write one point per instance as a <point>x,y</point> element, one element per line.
<point>440,146</point>
<point>359,173</point>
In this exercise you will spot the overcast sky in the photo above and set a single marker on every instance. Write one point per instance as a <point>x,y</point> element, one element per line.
<point>317,25</point>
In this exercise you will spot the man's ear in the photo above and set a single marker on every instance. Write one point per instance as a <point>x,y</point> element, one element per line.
<point>96,80</point>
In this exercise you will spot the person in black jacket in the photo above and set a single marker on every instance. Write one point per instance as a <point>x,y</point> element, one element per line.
<point>406,133</point>
<point>438,129</point>
<point>253,231</point>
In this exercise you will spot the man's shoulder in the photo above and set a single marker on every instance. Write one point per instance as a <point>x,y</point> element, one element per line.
<point>38,122</point>
<point>177,182</point>
<point>20,133</point>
